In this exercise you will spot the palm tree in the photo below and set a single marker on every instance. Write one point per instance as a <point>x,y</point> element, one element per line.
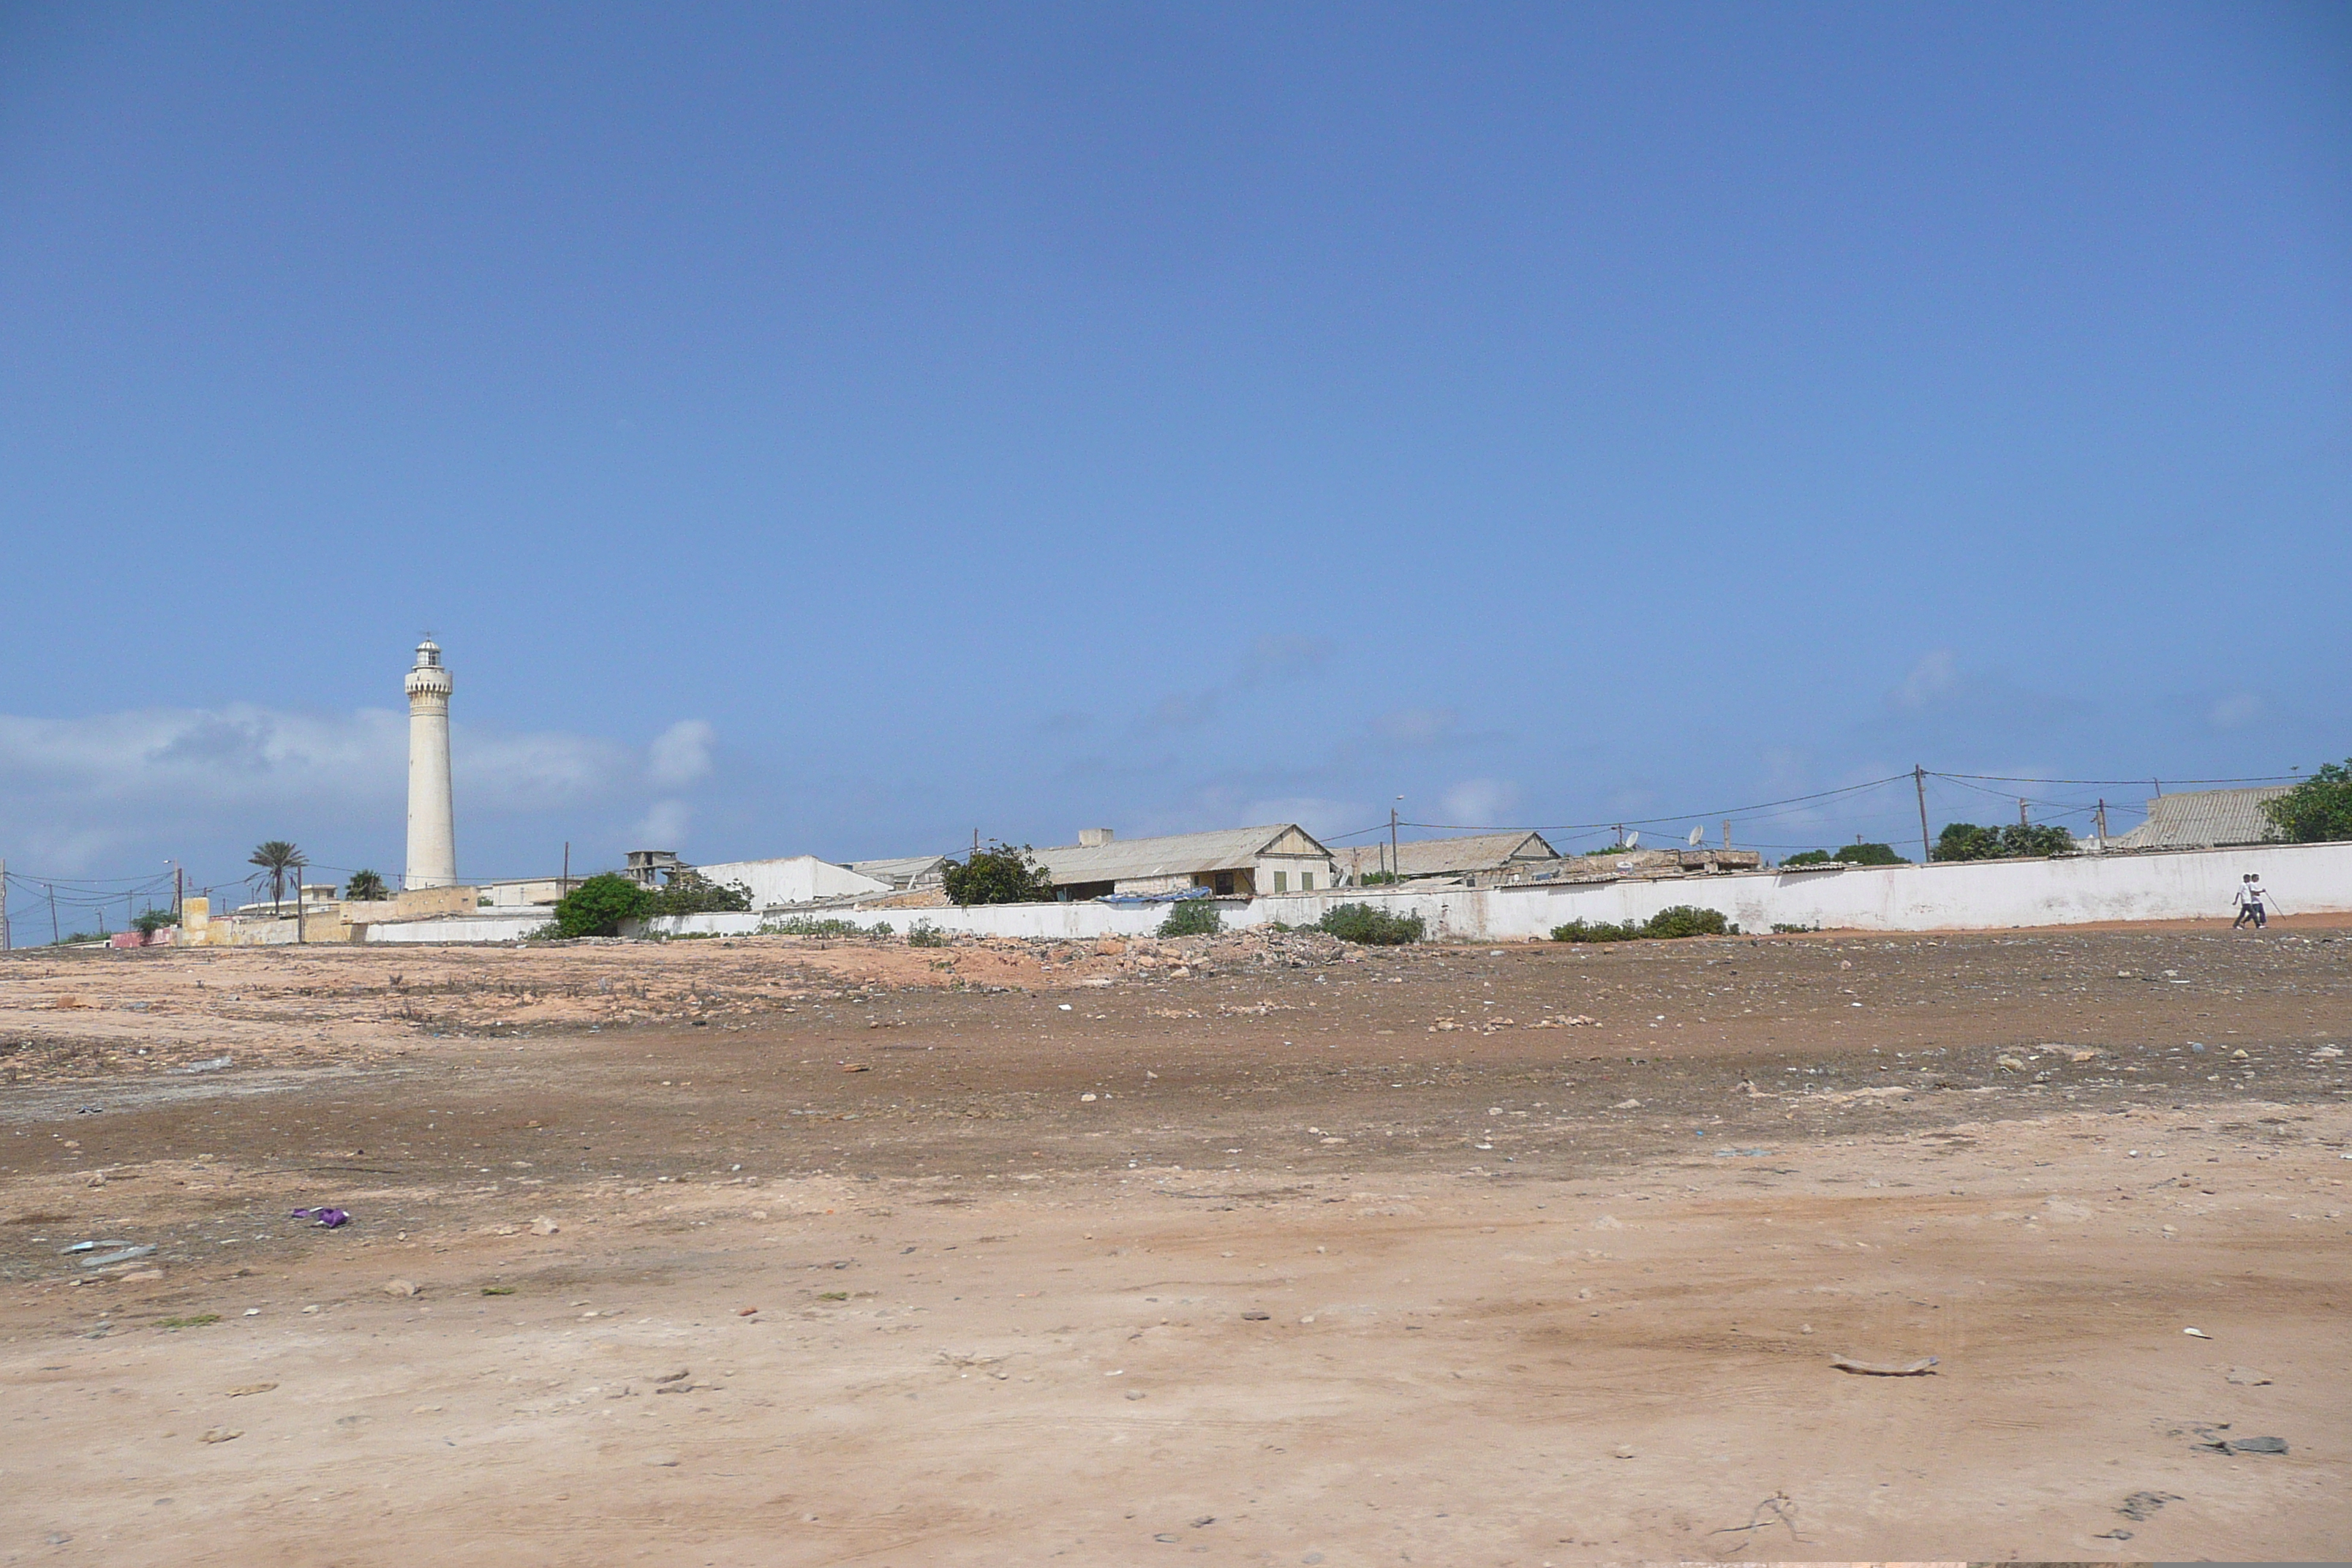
<point>367,887</point>
<point>277,857</point>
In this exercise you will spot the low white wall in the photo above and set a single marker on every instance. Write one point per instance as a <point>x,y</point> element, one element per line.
<point>458,928</point>
<point>1980,895</point>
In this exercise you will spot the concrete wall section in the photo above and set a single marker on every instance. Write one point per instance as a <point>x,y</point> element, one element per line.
<point>1985,895</point>
<point>461,929</point>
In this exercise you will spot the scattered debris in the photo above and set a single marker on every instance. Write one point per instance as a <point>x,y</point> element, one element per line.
<point>213,1064</point>
<point>1923,1367</point>
<point>330,1218</point>
<point>2247,1376</point>
<point>2254,1445</point>
<point>543,1226</point>
<point>1256,1317</point>
<point>124,1255</point>
<point>401,1287</point>
<point>2196,1333</point>
<point>680,1375</point>
<point>1782,1510</point>
<point>2140,1507</point>
<point>243,1389</point>
<point>223,1433</point>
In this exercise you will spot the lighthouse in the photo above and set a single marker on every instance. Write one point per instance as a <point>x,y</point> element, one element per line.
<point>432,830</point>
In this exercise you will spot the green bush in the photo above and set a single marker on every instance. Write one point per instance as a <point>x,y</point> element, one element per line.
<point>2318,810</point>
<point>149,921</point>
<point>1370,926</point>
<point>813,925</point>
<point>1377,878</point>
<point>689,893</point>
<point>1687,920</point>
<point>1681,920</point>
<point>598,906</point>
<point>1783,928</point>
<point>1000,874</point>
<point>1967,841</point>
<point>1852,855</point>
<point>923,933</point>
<point>1595,931</point>
<point>1192,917</point>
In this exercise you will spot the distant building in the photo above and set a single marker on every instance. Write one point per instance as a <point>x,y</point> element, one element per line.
<point>1231,862</point>
<point>1493,856</point>
<point>652,867</point>
<point>905,873</point>
<point>793,880</point>
<point>2203,819</point>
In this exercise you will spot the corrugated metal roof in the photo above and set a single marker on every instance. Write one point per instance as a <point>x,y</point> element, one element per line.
<point>1448,856</point>
<point>899,871</point>
<point>2203,819</point>
<point>1177,855</point>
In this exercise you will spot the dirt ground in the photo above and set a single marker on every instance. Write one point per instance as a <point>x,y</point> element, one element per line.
<point>1263,1250</point>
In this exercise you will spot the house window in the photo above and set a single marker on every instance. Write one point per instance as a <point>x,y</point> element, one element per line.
<point>1307,881</point>
<point>1281,880</point>
<point>1224,884</point>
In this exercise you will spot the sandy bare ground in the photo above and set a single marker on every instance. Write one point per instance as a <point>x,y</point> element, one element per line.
<point>1451,1256</point>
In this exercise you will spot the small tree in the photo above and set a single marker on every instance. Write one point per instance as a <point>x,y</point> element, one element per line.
<point>1855,853</point>
<point>1967,841</point>
<point>2318,810</point>
<point>1192,917</point>
<point>1000,874</point>
<point>598,906</point>
<point>690,893</point>
<point>277,857</point>
<point>148,922</point>
<point>366,887</point>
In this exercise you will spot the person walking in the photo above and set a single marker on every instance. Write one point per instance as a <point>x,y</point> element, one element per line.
<point>2250,899</point>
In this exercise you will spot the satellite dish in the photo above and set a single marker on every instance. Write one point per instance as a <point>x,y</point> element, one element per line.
<point>1633,840</point>
<point>1696,835</point>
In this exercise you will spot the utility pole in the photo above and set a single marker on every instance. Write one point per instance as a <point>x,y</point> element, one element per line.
<point>1919,781</point>
<point>1396,868</point>
<point>1726,834</point>
<point>54,937</point>
<point>2103,824</point>
<point>297,906</point>
<point>2020,813</point>
<point>564,887</point>
<point>4,903</point>
<point>178,889</point>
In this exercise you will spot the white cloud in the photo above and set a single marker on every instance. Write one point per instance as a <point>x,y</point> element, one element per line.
<point>2234,711</point>
<point>246,756</point>
<point>1934,674</point>
<point>681,754</point>
<point>1417,726</point>
<point>664,826</point>
<point>1481,803</point>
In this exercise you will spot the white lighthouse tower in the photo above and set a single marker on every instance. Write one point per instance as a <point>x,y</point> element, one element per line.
<point>432,829</point>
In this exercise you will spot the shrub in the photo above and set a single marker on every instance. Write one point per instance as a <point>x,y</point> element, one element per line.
<point>1967,841</point>
<point>149,921</point>
<point>813,925</point>
<point>1000,874</point>
<point>1594,931</point>
<point>1687,920</point>
<point>689,893</point>
<point>923,933</point>
<point>1192,917</point>
<point>1370,926</point>
<point>1783,928</point>
<point>598,906</point>
<point>1681,920</point>
<point>2318,810</point>
<point>1377,878</point>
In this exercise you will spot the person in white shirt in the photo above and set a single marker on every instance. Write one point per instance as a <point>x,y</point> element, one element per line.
<point>2250,899</point>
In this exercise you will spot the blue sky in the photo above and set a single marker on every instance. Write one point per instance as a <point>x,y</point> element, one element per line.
<point>836,429</point>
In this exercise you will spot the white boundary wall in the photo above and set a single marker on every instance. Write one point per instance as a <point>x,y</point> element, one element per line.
<point>1978,895</point>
